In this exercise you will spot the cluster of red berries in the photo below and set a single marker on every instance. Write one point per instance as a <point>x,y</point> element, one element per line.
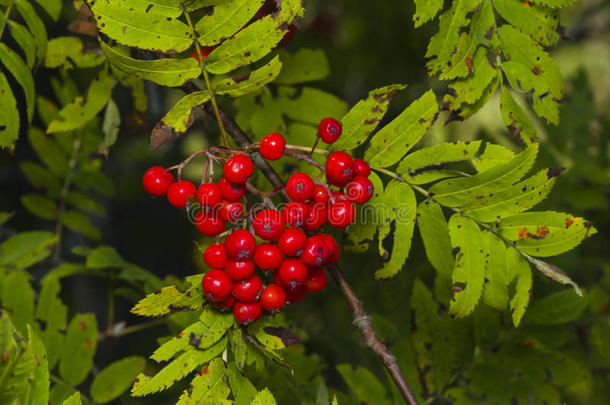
<point>289,259</point>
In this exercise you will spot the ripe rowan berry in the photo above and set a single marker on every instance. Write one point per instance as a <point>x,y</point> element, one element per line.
<point>209,194</point>
<point>248,289</point>
<point>329,130</point>
<point>359,190</point>
<point>339,167</point>
<point>238,168</point>
<point>341,214</point>
<point>292,272</point>
<point>216,285</point>
<point>300,187</point>
<point>215,256</point>
<point>240,244</point>
<point>273,297</point>
<point>232,191</point>
<point>361,167</point>
<point>181,192</point>
<point>317,216</point>
<point>295,294</point>
<point>156,180</point>
<point>230,211</point>
<point>316,279</point>
<point>316,251</point>
<point>268,224</point>
<point>273,146</point>
<point>268,256</point>
<point>320,194</point>
<point>247,312</point>
<point>295,213</point>
<point>209,223</point>
<point>333,249</point>
<point>292,241</point>
<point>239,269</point>
<point>225,304</point>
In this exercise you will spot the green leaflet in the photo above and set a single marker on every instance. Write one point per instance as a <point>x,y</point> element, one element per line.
<point>116,378</point>
<point>530,69</point>
<point>74,399</point>
<point>421,166</point>
<point>398,210</point>
<point>224,19</point>
<point>110,127</point>
<point>545,233</point>
<point>20,362</point>
<point>104,257</point>
<point>68,52</point>
<point>364,117</point>
<point>40,206</point>
<point>433,229</point>
<point>242,389</point>
<point>365,385</point>
<point>495,292</point>
<point>518,123</point>
<point>208,387</point>
<point>79,222</point>
<point>49,151</point>
<point>361,233</point>
<point>35,25</point>
<point>78,348</point>
<point>492,155</point>
<point>459,191</point>
<point>467,110</point>
<point>165,72</point>
<point>267,340</point>
<point>519,268</point>
<point>311,105</point>
<point>163,302</point>
<point>305,65</point>
<point>557,308</point>
<point>469,271</point>
<point>82,202</point>
<point>9,115</point>
<point>239,85</point>
<point>394,140</point>
<point>52,311</point>
<point>38,390</point>
<point>52,7</point>
<point>144,28</point>
<point>539,22</point>
<point>554,3</point>
<point>554,273</point>
<point>264,397</point>
<point>5,217</point>
<point>26,249</point>
<point>25,40</point>
<point>18,299</point>
<point>15,65</point>
<point>426,10</point>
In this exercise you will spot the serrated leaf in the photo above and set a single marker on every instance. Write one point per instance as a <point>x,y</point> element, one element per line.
<point>459,191</point>
<point>165,72</point>
<point>116,378</point>
<point>163,302</point>
<point>239,347</point>
<point>242,389</point>
<point>18,361</point>
<point>434,231</point>
<point>74,399</point>
<point>26,249</point>
<point>40,206</point>
<point>557,308</point>
<point>105,257</point>
<point>364,117</point>
<point>469,271</point>
<point>264,397</point>
<point>305,65</point>
<point>266,339</point>
<point>25,40</point>
<point>132,273</point>
<point>495,292</point>
<point>493,155</point>
<point>224,19</point>
<point>78,349</point>
<point>243,84</point>
<point>400,206</point>
<point>361,233</point>
<point>520,269</point>
<point>209,386</point>
<point>52,311</point>
<point>518,123</point>
<point>9,115</point>
<point>38,390</point>
<point>367,388</point>
<point>49,151</point>
<point>35,25</point>
<point>421,166</point>
<point>13,63</point>
<point>468,110</point>
<point>78,222</point>
<point>143,28</point>
<point>426,10</point>
<point>554,3</point>
<point>18,299</point>
<point>539,22</point>
<point>394,140</point>
<point>68,53</point>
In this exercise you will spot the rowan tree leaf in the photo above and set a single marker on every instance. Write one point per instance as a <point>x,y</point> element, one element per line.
<point>9,115</point>
<point>41,177</point>
<point>79,222</point>
<point>116,378</point>
<point>434,231</point>
<point>554,3</point>
<point>518,123</point>
<point>468,110</point>
<point>18,299</point>
<point>25,40</point>
<point>240,85</point>
<point>78,349</point>
<point>83,202</point>
<point>426,10</point>
<point>35,26</point>
<point>242,389</point>
<point>394,140</point>
<point>557,308</point>
<point>163,302</point>
<point>224,19</point>
<point>495,290</point>
<point>13,63</point>
<point>554,273</point>
<point>68,53</point>
<point>110,127</point>
<point>52,7</point>
<point>537,21</point>
<point>49,151</point>
<point>361,233</point>
<point>18,361</point>
<point>491,156</point>
<point>104,257</point>
<point>308,104</point>
<point>365,385</point>
<point>305,65</point>
<point>264,397</point>
<point>52,311</point>
<point>25,249</point>
<point>38,389</point>
<point>519,268</point>
<point>74,399</point>
<point>209,386</point>
<point>40,206</point>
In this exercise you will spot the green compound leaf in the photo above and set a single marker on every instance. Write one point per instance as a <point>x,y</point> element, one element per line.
<point>105,257</point>
<point>25,40</point>
<point>38,390</point>
<point>399,212</point>
<point>518,123</point>
<point>264,397</point>
<point>240,85</point>
<point>22,74</point>
<point>495,290</point>
<point>309,104</point>
<point>469,271</point>
<point>492,155</point>
<point>364,117</point>
<point>530,69</point>
<point>426,10</point>
<point>539,22</point>
<point>165,72</point>
<point>18,299</point>
<point>68,53</point>
<point>140,27</point>
<point>394,140</point>
<point>435,235</point>
<point>26,249</point>
<point>361,233</point>
<point>459,191</point>
<point>209,386</point>
<point>163,302</point>
<point>19,363</point>
<point>115,379</point>
<point>9,115</point>
<point>52,7</point>
<point>40,206</point>
<point>79,222</point>
<point>305,65</point>
<point>519,268</point>
<point>365,385</point>
<point>35,25</point>
<point>78,349</point>
<point>557,308</point>
<point>224,19</point>
<point>422,166</point>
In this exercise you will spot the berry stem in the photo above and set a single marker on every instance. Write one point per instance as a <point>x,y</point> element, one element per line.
<point>306,158</point>
<point>307,149</point>
<point>313,147</point>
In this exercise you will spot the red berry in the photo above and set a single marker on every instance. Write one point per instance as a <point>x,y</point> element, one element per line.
<point>361,167</point>
<point>300,187</point>
<point>268,256</point>
<point>215,256</point>
<point>320,194</point>
<point>316,251</point>
<point>329,130</point>
<point>339,184</point>
<point>316,279</point>
<point>339,167</point>
<point>208,223</point>
<point>232,191</point>
<point>292,272</point>
<point>205,51</point>
<point>248,289</point>
<point>240,244</point>
<point>295,213</point>
<point>292,242</point>
<point>338,196</point>
<point>238,168</point>
<point>333,248</point>
<point>268,224</point>
<point>230,211</point>
<point>156,181</point>
<point>273,297</point>
<point>225,304</point>
<point>179,193</point>
<point>209,194</point>
<point>295,294</point>
<point>239,269</point>
<point>359,190</point>
<point>216,285</point>
<point>317,216</point>
<point>291,31</point>
<point>247,312</point>
<point>273,146</point>
<point>341,214</point>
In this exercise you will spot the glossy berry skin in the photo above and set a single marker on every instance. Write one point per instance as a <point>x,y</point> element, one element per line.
<point>300,187</point>
<point>248,289</point>
<point>338,196</point>
<point>320,194</point>
<point>295,294</point>
<point>247,312</point>
<point>268,224</point>
<point>179,193</point>
<point>292,242</point>
<point>238,168</point>
<point>268,256</point>
<point>273,146</point>
<point>339,167</point>
<point>361,167</point>
<point>216,285</point>
<point>317,217</point>
<point>292,272</point>
<point>359,190</point>
<point>316,251</point>
<point>333,249</point>
<point>295,213</point>
<point>240,245</point>
<point>225,304</point>
<point>209,194</point>
<point>156,181</point>
<point>341,214</point>
<point>273,298</point>
<point>230,211</point>
<point>316,279</point>
<point>329,130</point>
<point>231,191</point>
<point>208,223</point>
<point>239,270</point>
<point>215,256</point>
<point>335,183</point>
